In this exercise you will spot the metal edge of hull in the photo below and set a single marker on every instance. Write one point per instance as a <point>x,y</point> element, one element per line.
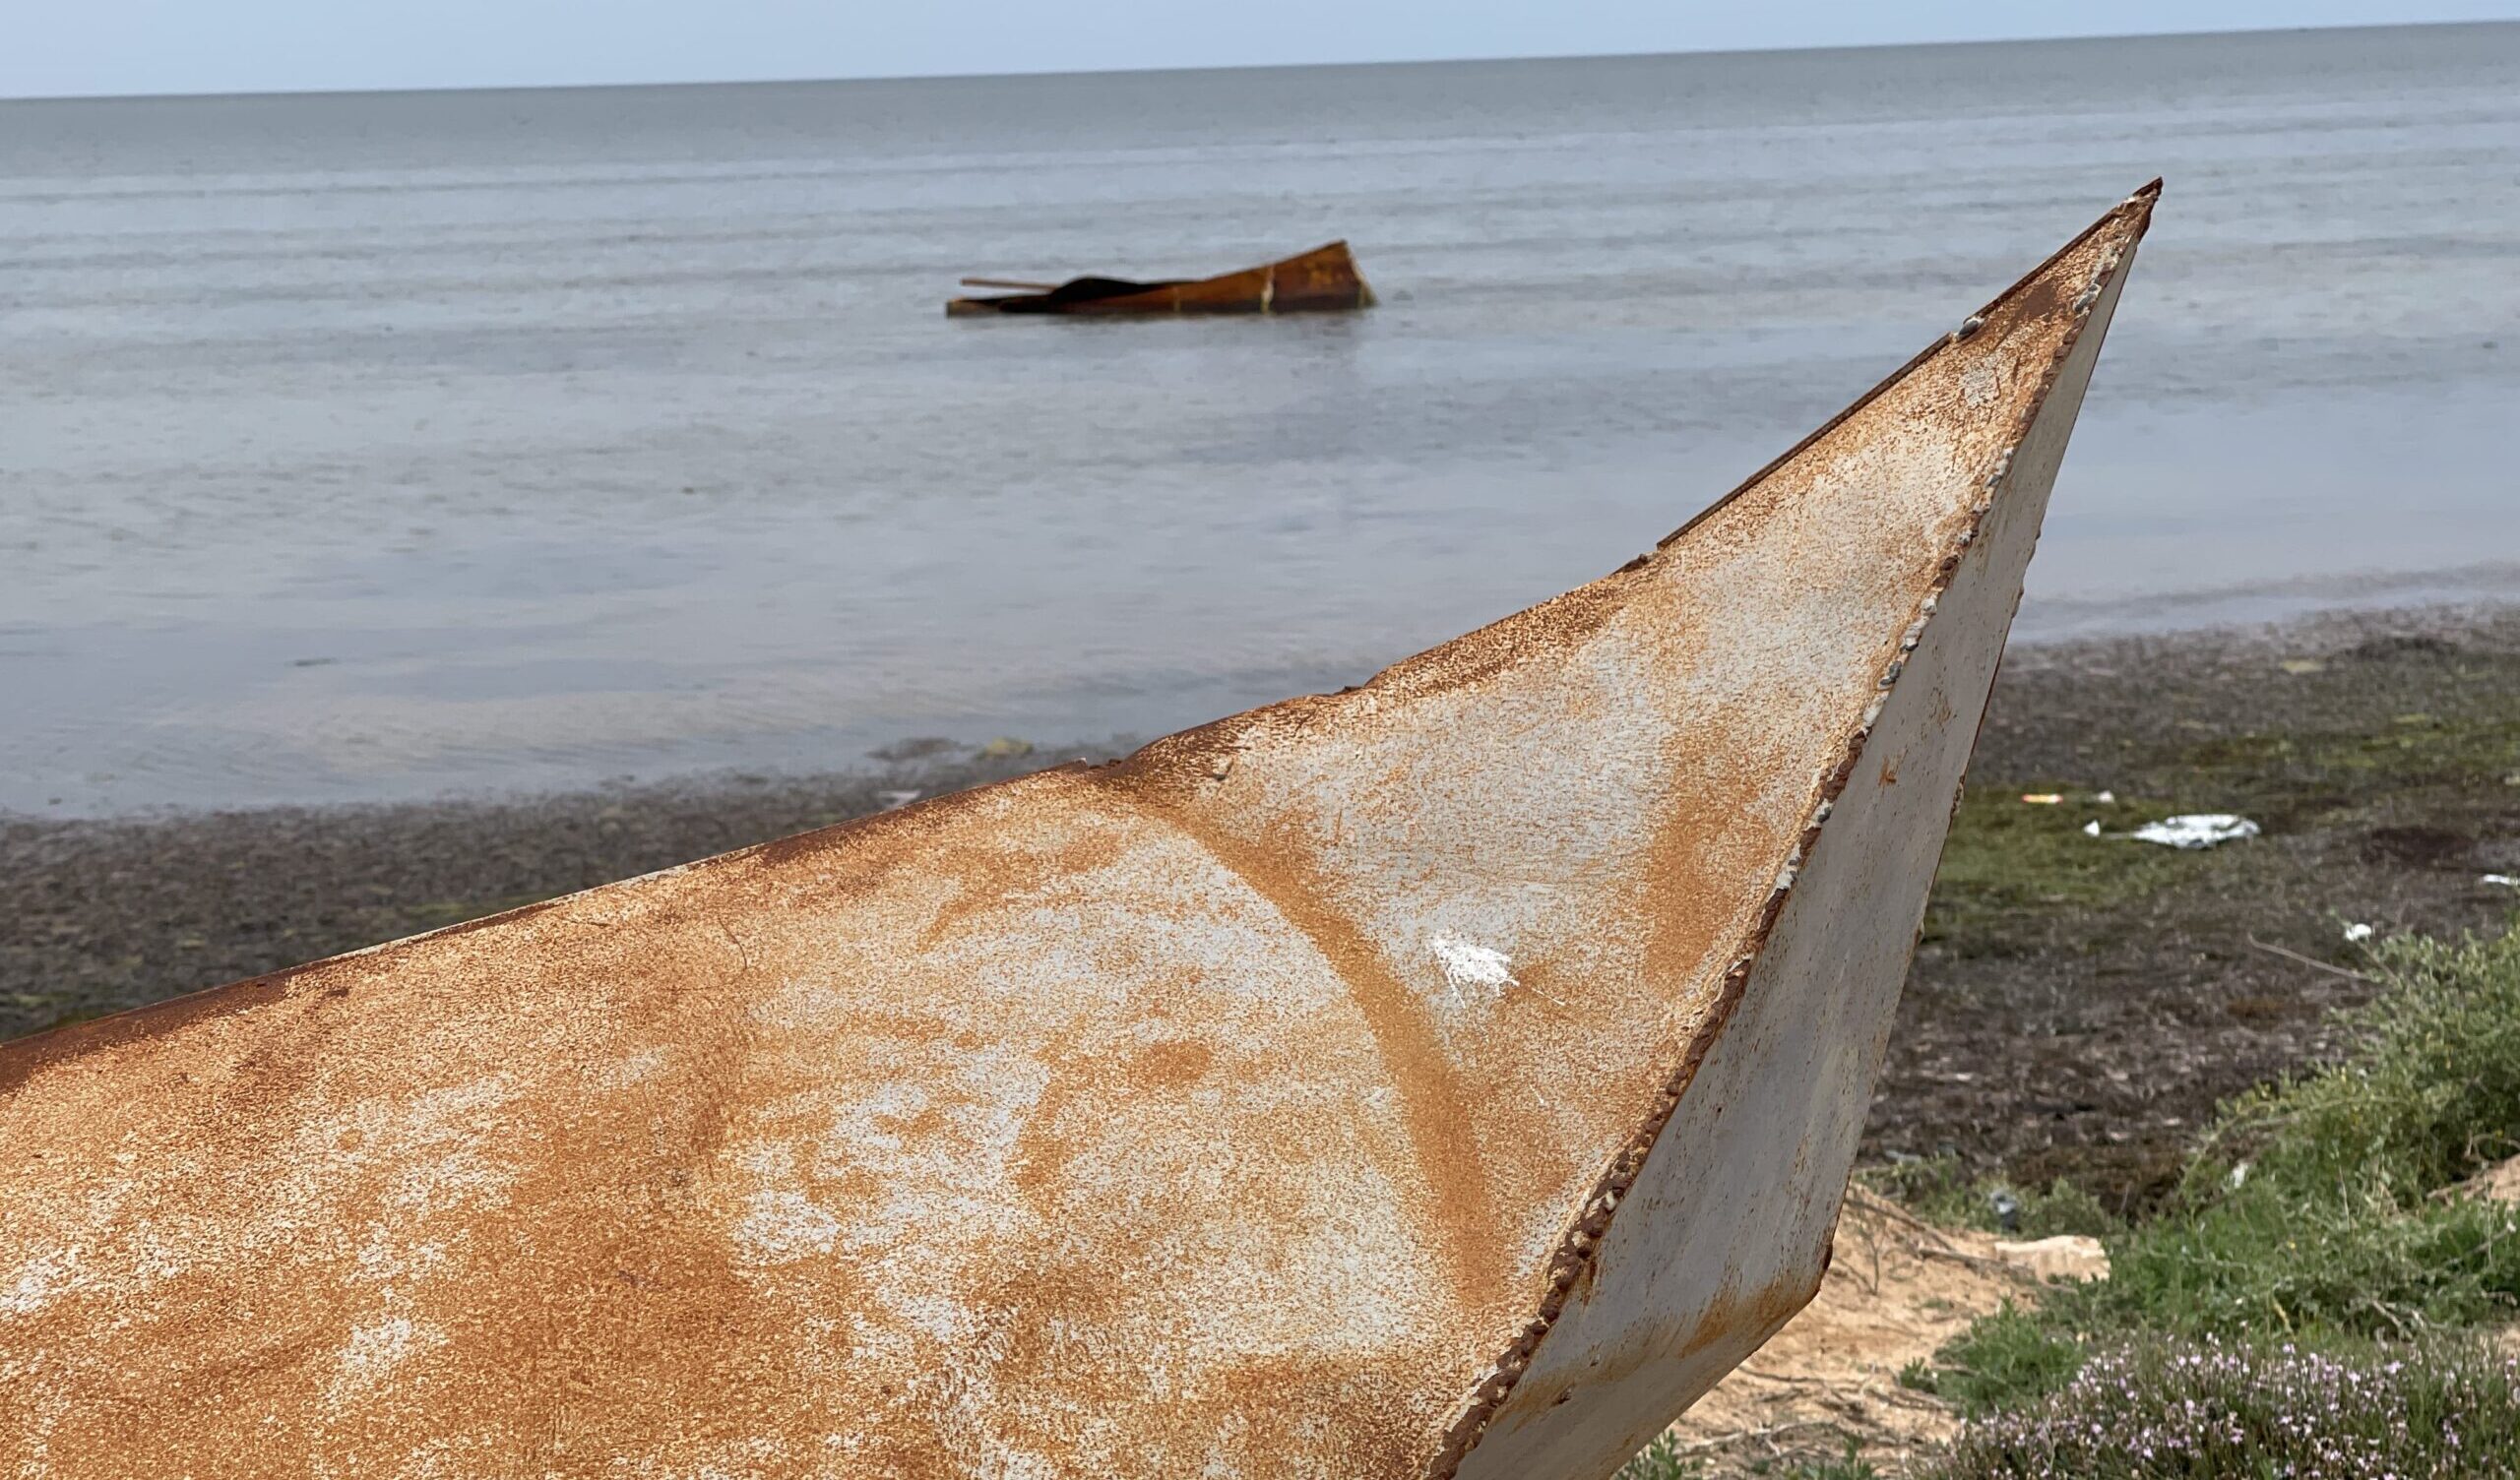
<point>1723,1232</point>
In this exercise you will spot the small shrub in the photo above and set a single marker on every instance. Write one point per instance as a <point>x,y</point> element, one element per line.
<point>2345,1258</point>
<point>1941,1191</point>
<point>2311,1211</point>
<point>2430,1094</point>
<point>2246,1412</point>
<point>1937,1189</point>
<point>2013,1356</point>
<point>1661,1460</point>
<point>2066,1208</point>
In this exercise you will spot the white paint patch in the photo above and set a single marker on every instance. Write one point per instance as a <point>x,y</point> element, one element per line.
<point>785,1227</point>
<point>1979,383</point>
<point>1471,971</point>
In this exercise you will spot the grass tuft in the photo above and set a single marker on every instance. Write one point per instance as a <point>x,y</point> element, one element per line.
<point>2007,867</point>
<point>1941,1190</point>
<point>1663,1460</point>
<point>2316,1211</point>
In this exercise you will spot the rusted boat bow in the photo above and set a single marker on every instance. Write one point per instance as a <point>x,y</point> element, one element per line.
<point>1321,281</point>
<point>1454,1076</point>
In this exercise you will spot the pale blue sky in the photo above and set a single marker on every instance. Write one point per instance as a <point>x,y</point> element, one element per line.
<point>68,47</point>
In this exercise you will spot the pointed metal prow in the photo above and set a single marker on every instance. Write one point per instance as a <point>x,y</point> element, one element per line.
<point>1452,1076</point>
<point>1713,1227</point>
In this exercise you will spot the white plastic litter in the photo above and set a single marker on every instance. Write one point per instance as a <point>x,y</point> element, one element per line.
<point>2195,830</point>
<point>2358,932</point>
<point>2104,798</point>
<point>2092,829</point>
<point>2505,880</point>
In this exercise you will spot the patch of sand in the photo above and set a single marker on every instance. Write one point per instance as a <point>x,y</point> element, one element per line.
<point>2499,1184</point>
<point>1897,1290</point>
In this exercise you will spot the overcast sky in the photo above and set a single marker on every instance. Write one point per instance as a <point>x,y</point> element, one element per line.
<point>69,48</point>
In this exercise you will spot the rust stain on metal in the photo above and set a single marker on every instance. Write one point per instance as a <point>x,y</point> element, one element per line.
<point>1456,1074</point>
<point>1324,279</point>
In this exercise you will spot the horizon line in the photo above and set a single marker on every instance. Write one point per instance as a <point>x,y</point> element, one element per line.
<point>2075,38</point>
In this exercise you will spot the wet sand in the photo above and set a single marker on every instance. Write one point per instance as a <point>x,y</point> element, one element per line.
<point>2077,1007</point>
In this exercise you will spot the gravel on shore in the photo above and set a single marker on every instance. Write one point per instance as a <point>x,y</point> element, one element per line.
<point>2078,1006</point>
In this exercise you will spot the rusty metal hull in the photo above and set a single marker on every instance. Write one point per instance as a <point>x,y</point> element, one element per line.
<point>1722,1223</point>
<point>1324,279</point>
<point>1451,1075</point>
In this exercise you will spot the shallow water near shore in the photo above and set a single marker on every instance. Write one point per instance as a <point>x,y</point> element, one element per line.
<point>385,447</point>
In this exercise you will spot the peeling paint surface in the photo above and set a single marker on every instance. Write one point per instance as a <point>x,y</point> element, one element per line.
<point>1235,1110</point>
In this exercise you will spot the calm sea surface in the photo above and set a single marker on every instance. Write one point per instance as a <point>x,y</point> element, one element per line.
<point>374,445</point>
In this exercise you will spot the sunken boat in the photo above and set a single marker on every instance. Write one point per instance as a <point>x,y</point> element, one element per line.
<point>1450,1076</point>
<point>1324,279</point>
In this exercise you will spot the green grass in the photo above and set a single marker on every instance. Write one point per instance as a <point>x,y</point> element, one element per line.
<point>2010,864</point>
<point>2412,751</point>
<point>2411,767</point>
<point>2430,1096</point>
<point>1941,1190</point>
<point>2314,1212</point>
<point>1663,1460</point>
<point>2011,871</point>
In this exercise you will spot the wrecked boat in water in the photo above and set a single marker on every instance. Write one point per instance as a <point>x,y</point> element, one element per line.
<point>1322,280</point>
<point>1450,1076</point>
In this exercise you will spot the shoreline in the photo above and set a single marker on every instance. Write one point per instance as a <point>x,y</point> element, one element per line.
<point>2237,616</point>
<point>2075,1009</point>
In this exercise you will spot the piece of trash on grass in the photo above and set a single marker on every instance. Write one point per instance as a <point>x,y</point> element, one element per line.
<point>2007,1211</point>
<point>2043,798</point>
<point>2195,830</point>
<point>2301,665</point>
<point>893,799</point>
<point>2092,829</point>
<point>2358,932</point>
<point>2104,798</point>
<point>2505,880</point>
